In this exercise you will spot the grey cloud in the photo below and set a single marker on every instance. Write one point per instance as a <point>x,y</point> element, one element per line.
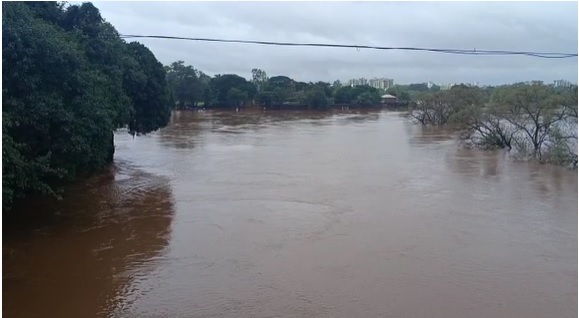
<point>529,26</point>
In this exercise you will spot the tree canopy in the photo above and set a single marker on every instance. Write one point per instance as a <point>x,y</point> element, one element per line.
<point>362,95</point>
<point>69,81</point>
<point>230,89</point>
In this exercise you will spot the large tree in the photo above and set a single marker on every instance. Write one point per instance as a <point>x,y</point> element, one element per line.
<point>258,78</point>
<point>344,95</point>
<point>64,93</point>
<point>316,98</point>
<point>221,93</point>
<point>146,85</point>
<point>187,84</point>
<point>532,109</point>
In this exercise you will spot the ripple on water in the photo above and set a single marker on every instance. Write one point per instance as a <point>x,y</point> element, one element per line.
<point>299,214</point>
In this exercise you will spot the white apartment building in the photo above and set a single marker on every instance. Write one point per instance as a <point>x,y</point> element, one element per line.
<point>562,83</point>
<point>380,83</point>
<point>357,82</point>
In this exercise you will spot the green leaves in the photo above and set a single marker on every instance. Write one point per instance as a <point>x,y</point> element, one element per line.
<point>187,84</point>
<point>146,86</point>
<point>316,98</point>
<point>68,82</point>
<point>361,95</point>
<point>230,90</point>
<point>236,97</point>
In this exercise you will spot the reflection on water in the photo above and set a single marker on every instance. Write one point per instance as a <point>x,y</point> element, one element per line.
<point>183,130</point>
<point>107,233</point>
<point>472,162</point>
<point>300,214</point>
<point>429,135</point>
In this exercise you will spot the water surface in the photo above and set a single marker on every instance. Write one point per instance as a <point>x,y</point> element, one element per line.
<point>358,214</point>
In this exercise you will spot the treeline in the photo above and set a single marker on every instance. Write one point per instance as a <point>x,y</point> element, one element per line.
<point>535,120</point>
<point>69,81</point>
<point>192,88</point>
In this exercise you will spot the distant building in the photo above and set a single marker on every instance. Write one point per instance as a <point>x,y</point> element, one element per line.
<point>562,83</point>
<point>358,82</point>
<point>388,99</point>
<point>380,83</point>
<point>444,87</point>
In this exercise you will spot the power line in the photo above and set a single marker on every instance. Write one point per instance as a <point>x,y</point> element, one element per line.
<point>547,55</point>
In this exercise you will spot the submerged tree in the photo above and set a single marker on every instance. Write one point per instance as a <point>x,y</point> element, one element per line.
<point>536,120</point>
<point>532,109</point>
<point>446,107</point>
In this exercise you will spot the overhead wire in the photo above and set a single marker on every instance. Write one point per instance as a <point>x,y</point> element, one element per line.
<point>547,55</point>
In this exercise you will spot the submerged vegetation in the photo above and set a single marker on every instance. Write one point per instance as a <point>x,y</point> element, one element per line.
<point>535,120</point>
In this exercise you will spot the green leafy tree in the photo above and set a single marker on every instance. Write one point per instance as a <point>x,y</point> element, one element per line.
<point>302,86</point>
<point>187,84</point>
<point>221,85</point>
<point>282,87</point>
<point>236,97</point>
<point>421,87</point>
<point>65,72</point>
<point>146,85</point>
<point>316,98</point>
<point>344,95</point>
<point>368,98</point>
<point>326,87</point>
<point>401,92</point>
<point>258,78</point>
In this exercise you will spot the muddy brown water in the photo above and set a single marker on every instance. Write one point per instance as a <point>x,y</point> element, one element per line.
<point>359,214</point>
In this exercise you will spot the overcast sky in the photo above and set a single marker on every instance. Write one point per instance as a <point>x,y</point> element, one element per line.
<point>525,26</point>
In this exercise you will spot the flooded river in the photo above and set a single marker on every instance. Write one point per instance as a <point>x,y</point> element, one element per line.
<point>298,215</point>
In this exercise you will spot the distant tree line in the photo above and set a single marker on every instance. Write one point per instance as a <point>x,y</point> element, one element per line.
<point>191,88</point>
<point>69,81</point>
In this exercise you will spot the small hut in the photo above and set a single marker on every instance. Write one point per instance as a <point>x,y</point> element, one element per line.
<point>389,100</point>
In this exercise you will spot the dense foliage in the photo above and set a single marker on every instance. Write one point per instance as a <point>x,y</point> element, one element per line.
<point>69,81</point>
<point>192,88</point>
